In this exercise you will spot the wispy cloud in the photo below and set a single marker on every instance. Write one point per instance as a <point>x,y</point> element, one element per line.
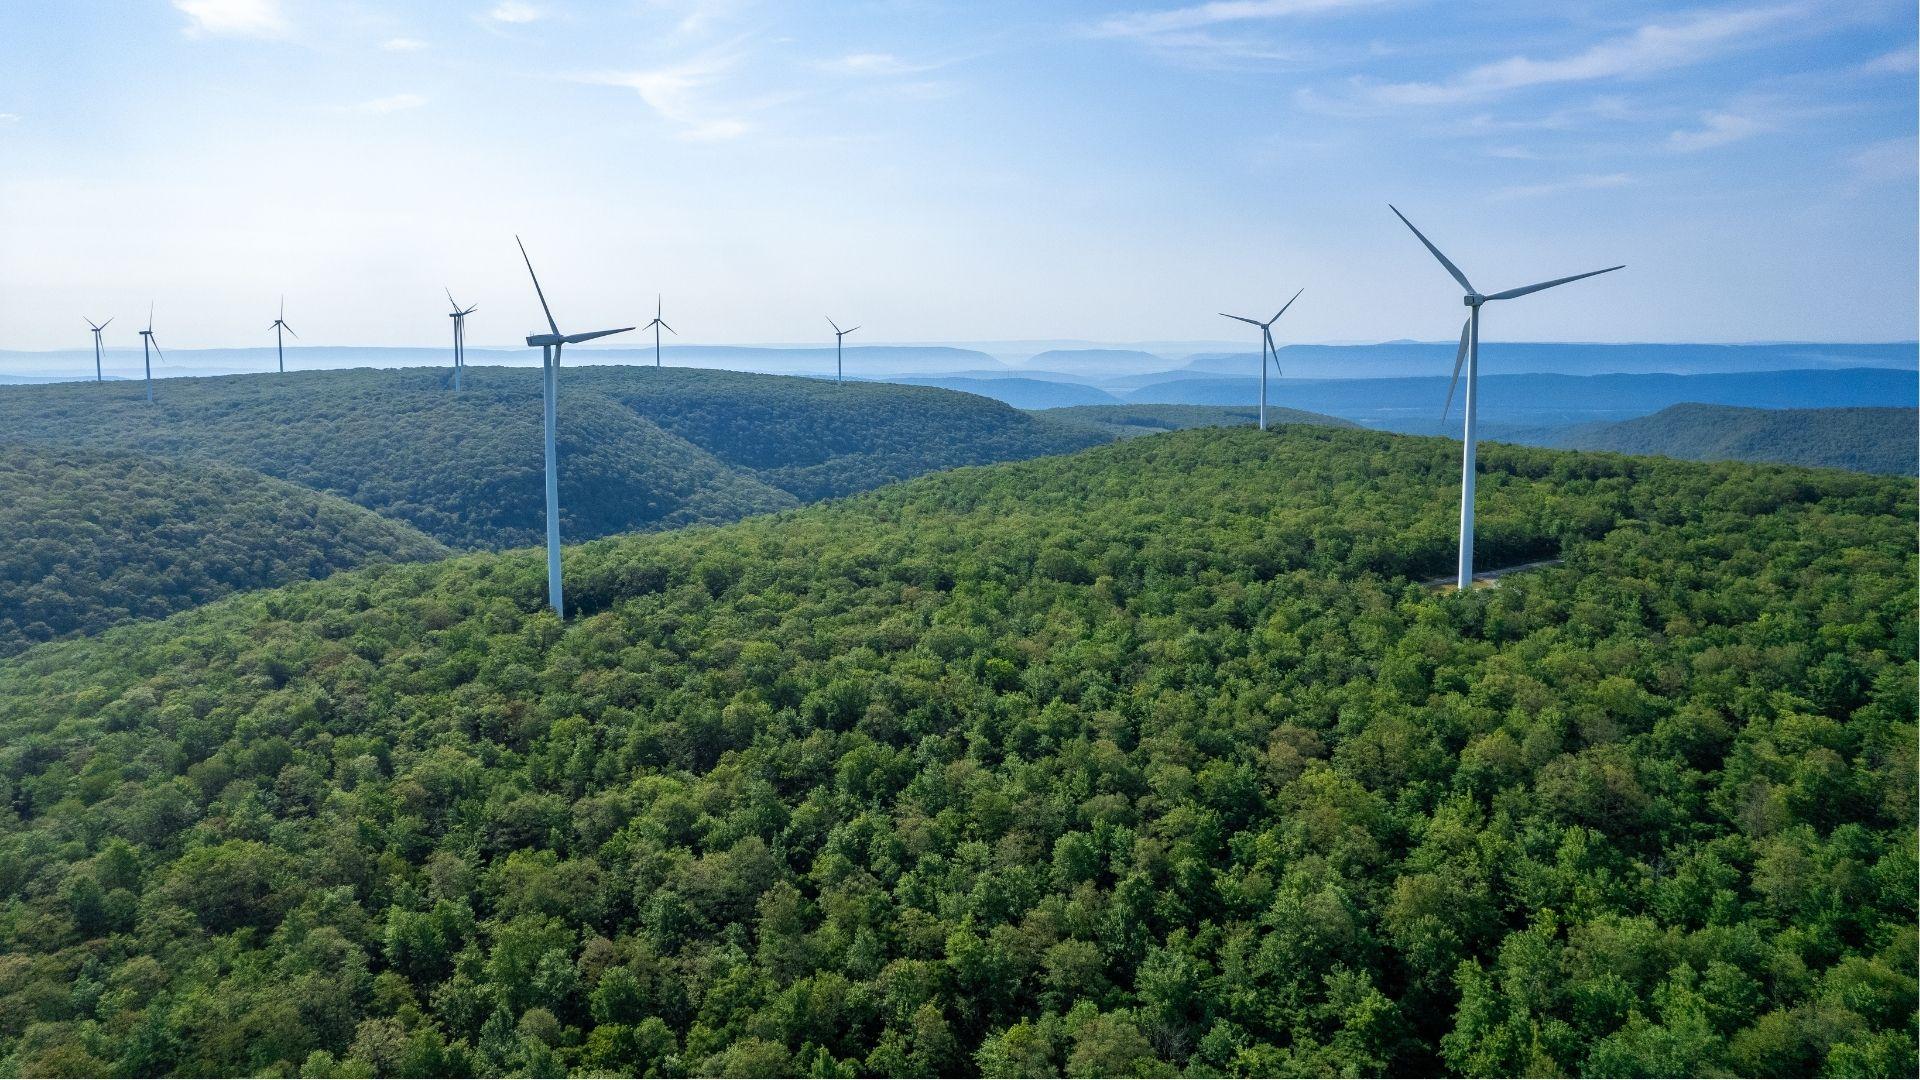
<point>391,104</point>
<point>236,18</point>
<point>1717,129</point>
<point>9,118</point>
<point>1652,48</point>
<point>1902,61</point>
<point>680,95</point>
<point>1887,161</point>
<point>875,63</point>
<point>403,44</point>
<point>1150,24</point>
<point>515,11</point>
<point>1556,187</point>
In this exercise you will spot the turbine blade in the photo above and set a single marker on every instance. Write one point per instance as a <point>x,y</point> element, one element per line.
<point>1284,307</point>
<point>1458,359</point>
<point>850,329</point>
<point>106,324</point>
<point>573,339</point>
<point>668,329</point>
<point>1242,318</point>
<point>149,318</point>
<point>288,329</point>
<point>1444,261</point>
<point>156,348</point>
<point>835,325</point>
<point>551,325</point>
<point>1273,350</point>
<point>451,301</point>
<point>656,305</point>
<point>283,308</point>
<point>1525,289</point>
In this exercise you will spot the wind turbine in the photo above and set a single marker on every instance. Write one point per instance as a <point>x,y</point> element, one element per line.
<point>1267,349</point>
<point>279,345</point>
<point>550,364</point>
<point>459,317</point>
<point>839,335</point>
<point>656,326</point>
<point>97,377</point>
<point>147,339</point>
<point>1470,353</point>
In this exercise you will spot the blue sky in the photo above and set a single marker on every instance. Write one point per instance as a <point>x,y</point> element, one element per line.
<point>956,171</point>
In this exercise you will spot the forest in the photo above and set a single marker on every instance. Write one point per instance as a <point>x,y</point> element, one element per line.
<point>1150,759</point>
<point>1131,421</point>
<point>1877,440</point>
<point>643,448</point>
<point>93,538</point>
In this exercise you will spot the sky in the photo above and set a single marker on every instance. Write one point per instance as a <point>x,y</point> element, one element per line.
<point>955,171</point>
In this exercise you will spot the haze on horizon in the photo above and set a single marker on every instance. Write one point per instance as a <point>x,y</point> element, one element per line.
<point>955,172</point>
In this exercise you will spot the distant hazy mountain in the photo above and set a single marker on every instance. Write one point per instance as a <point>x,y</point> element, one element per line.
<point>861,359</point>
<point>1413,404</point>
<point>1414,358</point>
<point>1865,440</point>
<point>1021,393</point>
<point>1130,421</point>
<point>1099,363</point>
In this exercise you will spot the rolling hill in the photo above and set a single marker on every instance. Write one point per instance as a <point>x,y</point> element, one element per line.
<point>1130,421</point>
<point>640,448</point>
<point>1146,760</point>
<point>96,538</point>
<point>1866,440</point>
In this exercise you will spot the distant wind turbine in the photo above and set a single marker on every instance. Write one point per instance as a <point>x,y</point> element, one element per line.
<point>279,344</point>
<point>97,376</point>
<point>459,317</point>
<point>656,326</point>
<point>839,336</point>
<point>148,340</point>
<point>550,344</point>
<point>1267,349</point>
<point>1469,352</point>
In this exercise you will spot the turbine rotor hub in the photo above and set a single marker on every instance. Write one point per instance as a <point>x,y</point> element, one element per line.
<point>1473,299</point>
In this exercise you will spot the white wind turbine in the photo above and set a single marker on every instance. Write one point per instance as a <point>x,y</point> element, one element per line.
<point>839,336</point>
<point>279,344</point>
<point>97,377</point>
<point>1267,349</point>
<point>459,317</point>
<point>656,325</point>
<point>148,340</point>
<point>550,344</point>
<point>1469,352</point>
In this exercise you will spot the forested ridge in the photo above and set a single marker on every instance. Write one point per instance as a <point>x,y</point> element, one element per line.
<point>1149,759</point>
<point>1881,440</point>
<point>641,448</point>
<point>1129,421</point>
<point>92,538</point>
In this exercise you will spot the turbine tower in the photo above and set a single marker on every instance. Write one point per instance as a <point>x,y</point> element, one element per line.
<point>279,344</point>
<point>656,325</point>
<point>839,335</point>
<point>1267,349</point>
<point>1469,352</point>
<point>97,377</point>
<point>459,317</point>
<point>550,344</point>
<point>148,340</point>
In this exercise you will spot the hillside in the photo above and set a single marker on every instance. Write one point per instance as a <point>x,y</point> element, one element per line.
<point>1129,421</point>
<point>1866,440</point>
<point>95,538</point>
<point>640,448</point>
<point>1143,760</point>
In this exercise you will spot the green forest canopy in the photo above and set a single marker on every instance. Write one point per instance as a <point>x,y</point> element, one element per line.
<point>1148,759</point>
<point>1868,440</point>
<point>1129,421</point>
<point>641,448</point>
<point>93,538</point>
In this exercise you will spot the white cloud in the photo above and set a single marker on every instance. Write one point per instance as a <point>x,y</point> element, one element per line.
<point>1652,48</point>
<point>9,118</point>
<point>1556,187</point>
<point>239,18</point>
<point>392,104</point>
<point>1898,62</point>
<point>403,44</point>
<point>679,95</point>
<point>875,63</point>
<point>1717,129</point>
<point>515,11</point>
<point>1146,24</point>
<point>1895,160</point>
